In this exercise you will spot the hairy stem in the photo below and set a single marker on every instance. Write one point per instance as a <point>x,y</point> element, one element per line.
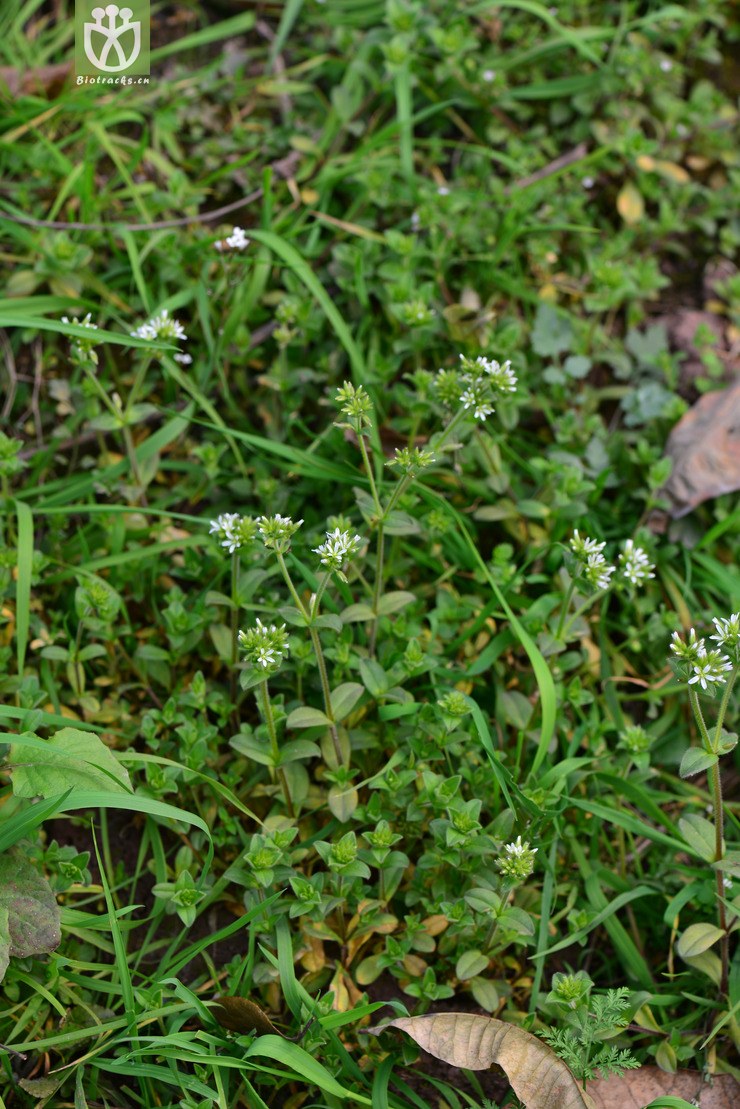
<point>269,719</point>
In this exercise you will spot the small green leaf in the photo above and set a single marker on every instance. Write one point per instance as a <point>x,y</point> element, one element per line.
<point>354,614</point>
<point>695,760</point>
<point>698,938</point>
<point>344,698</point>
<point>328,620</point>
<point>342,802</point>
<point>374,677</point>
<point>485,993</point>
<point>393,602</point>
<point>552,332</point>
<point>517,708</point>
<point>305,717</point>
<point>471,964</point>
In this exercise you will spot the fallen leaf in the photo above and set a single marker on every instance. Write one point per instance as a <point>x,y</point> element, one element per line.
<point>238,1014</point>
<point>637,1088</point>
<point>538,1077</point>
<point>46,80</point>
<point>670,170</point>
<point>630,204</point>
<point>705,448</point>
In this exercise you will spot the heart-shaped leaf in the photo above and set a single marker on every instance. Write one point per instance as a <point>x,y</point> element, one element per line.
<point>538,1077</point>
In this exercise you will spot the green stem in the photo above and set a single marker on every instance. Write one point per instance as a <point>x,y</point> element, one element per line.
<point>131,452</point>
<point>269,719</point>
<point>137,383</point>
<point>377,587</point>
<point>719,850</point>
<point>370,475</point>
<point>723,709</point>
<point>324,679</point>
<point>715,779</point>
<point>309,614</point>
<point>699,716</point>
<point>559,631</point>
<point>234,622</point>
<point>291,588</point>
<point>584,608</point>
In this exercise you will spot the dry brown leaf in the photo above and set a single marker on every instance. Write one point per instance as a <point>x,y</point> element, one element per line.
<point>538,1077</point>
<point>45,80</point>
<point>637,1088</point>
<point>705,448</point>
<point>630,204</point>
<point>238,1014</point>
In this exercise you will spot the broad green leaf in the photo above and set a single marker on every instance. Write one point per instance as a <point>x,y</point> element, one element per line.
<point>305,717</point>
<point>344,698</point>
<point>29,914</point>
<point>538,1077</point>
<point>70,759</point>
<point>699,833</point>
<point>698,938</point>
<point>695,760</point>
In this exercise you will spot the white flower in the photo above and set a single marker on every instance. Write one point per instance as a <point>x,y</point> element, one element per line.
<point>443,191</point>
<point>710,666</point>
<point>183,359</point>
<point>338,548</point>
<point>489,75</point>
<point>635,564</point>
<point>666,65</point>
<point>161,327</point>
<point>583,547</point>
<point>237,240</point>
<point>588,182</point>
<point>728,635</point>
<point>598,572</point>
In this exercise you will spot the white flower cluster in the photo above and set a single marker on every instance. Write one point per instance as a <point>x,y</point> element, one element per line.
<point>82,348</point>
<point>264,646</point>
<point>339,547</point>
<point>233,531</point>
<point>702,665</point>
<point>728,635</point>
<point>634,563</point>
<point>162,326</point>
<point>237,240</point>
<point>476,385</point>
<point>277,531</point>
<point>517,860</point>
<point>596,570</point>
